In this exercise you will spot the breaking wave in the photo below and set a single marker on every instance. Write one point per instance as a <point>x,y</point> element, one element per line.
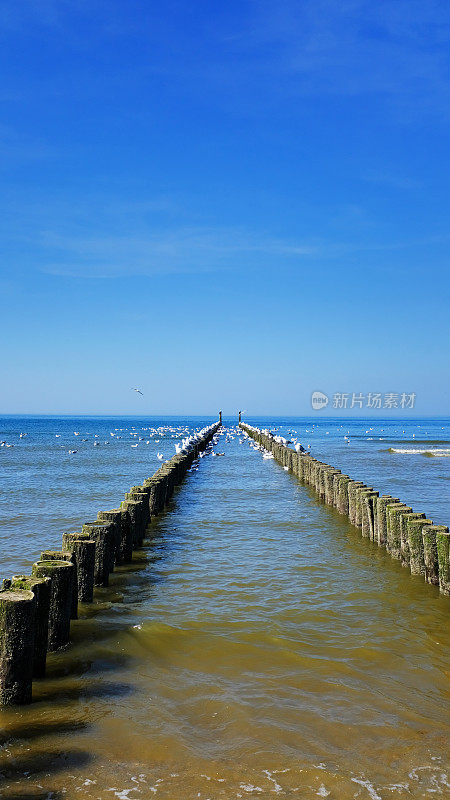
<point>434,453</point>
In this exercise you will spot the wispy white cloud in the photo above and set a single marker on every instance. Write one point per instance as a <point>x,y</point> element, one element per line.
<point>193,250</point>
<point>188,249</point>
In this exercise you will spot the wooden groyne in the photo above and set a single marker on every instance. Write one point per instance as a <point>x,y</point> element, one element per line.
<point>419,544</point>
<point>36,610</point>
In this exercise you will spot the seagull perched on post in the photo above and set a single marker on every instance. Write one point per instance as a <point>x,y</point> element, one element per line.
<point>133,389</point>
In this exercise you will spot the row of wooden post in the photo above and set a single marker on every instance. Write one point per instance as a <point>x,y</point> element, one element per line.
<point>36,610</point>
<point>420,546</point>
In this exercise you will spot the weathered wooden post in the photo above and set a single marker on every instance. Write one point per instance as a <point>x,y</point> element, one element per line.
<point>124,550</point>
<point>360,494</point>
<point>61,574</point>
<point>340,491</point>
<point>329,476</point>
<point>353,487</point>
<point>17,616</point>
<point>103,534</point>
<point>368,500</point>
<point>443,551</point>
<point>153,487</point>
<point>134,511</point>
<point>40,587</point>
<point>430,535</point>
<point>82,548</point>
<point>65,555</point>
<point>416,549</point>
<point>394,512</point>
<point>404,540</point>
<point>320,480</point>
<point>381,524</point>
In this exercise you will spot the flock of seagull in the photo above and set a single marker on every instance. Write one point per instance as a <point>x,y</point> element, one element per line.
<point>154,435</point>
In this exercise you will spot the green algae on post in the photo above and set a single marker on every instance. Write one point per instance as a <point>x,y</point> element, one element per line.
<point>103,534</point>
<point>124,549</point>
<point>394,512</point>
<point>416,548</point>
<point>430,552</point>
<point>61,574</point>
<point>40,587</point>
<point>65,555</point>
<point>443,551</point>
<point>82,548</point>
<point>17,616</point>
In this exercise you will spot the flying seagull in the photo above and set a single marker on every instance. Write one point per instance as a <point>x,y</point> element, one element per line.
<point>133,389</point>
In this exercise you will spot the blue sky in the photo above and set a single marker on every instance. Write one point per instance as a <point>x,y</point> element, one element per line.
<point>228,205</point>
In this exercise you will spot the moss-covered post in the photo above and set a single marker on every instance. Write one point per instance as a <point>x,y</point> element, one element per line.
<point>117,517</point>
<point>287,458</point>
<point>329,477</point>
<point>40,587</point>
<point>298,465</point>
<point>157,486</point>
<point>328,484</point>
<point>65,555</point>
<point>352,488</point>
<point>368,500</point>
<point>140,496</point>
<point>103,534</point>
<point>394,512</point>
<point>82,548</point>
<point>430,551</point>
<point>134,511</point>
<point>294,462</point>
<point>416,549</point>
<point>373,532</point>
<point>443,551</point>
<point>17,611</point>
<point>404,540</point>
<point>360,493</point>
<point>124,554</point>
<point>340,491</point>
<point>319,484</point>
<point>61,574</point>
<point>381,524</point>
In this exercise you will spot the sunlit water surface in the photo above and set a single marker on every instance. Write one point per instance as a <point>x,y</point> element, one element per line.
<point>257,646</point>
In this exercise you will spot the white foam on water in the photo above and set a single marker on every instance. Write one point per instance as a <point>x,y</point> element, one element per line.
<point>436,452</point>
<point>276,786</point>
<point>248,787</point>
<point>370,788</point>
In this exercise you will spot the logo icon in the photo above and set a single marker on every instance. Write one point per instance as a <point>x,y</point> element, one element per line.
<point>319,400</point>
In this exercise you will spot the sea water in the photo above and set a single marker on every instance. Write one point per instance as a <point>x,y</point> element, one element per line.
<point>257,646</point>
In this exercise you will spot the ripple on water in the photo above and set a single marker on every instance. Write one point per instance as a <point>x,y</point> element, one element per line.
<point>257,647</point>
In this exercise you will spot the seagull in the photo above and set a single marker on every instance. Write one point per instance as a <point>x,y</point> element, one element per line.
<point>133,389</point>
<point>159,456</point>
